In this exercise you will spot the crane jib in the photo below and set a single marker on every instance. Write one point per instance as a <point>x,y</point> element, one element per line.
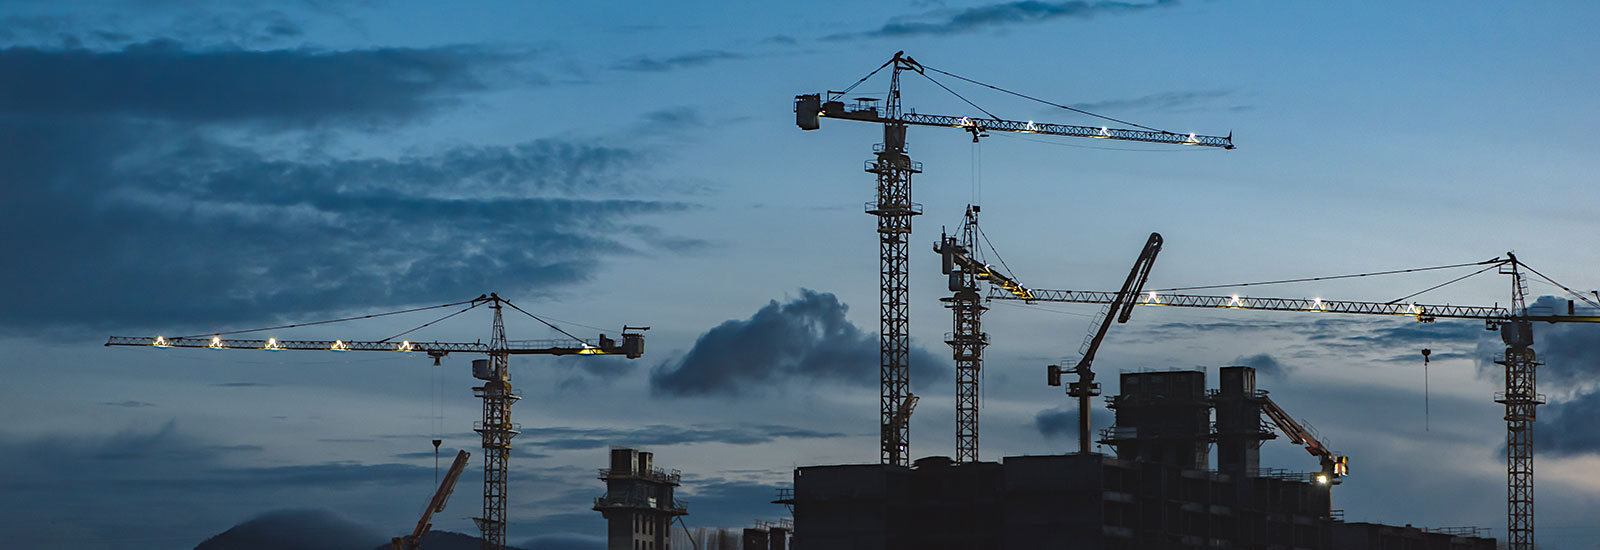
<point>1423,312</point>
<point>810,108</point>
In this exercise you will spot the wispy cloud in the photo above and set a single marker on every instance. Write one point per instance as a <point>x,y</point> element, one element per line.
<point>646,63</point>
<point>992,16</point>
<point>562,438</point>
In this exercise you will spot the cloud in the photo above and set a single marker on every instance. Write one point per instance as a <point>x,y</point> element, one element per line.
<point>164,80</point>
<point>563,438</point>
<point>731,503</point>
<point>1263,363</point>
<point>242,385</point>
<point>128,404</point>
<point>1164,101</point>
<point>807,338</point>
<point>1063,422</point>
<point>135,475</point>
<point>945,22</point>
<point>250,233</point>
<point>645,63</point>
<point>1568,427</point>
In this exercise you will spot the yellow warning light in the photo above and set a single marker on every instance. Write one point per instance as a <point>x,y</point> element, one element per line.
<point>338,345</point>
<point>272,345</point>
<point>160,342</point>
<point>216,343</point>
<point>405,345</point>
<point>591,350</point>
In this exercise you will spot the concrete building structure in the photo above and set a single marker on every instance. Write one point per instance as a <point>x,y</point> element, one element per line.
<point>1159,491</point>
<point>639,506</point>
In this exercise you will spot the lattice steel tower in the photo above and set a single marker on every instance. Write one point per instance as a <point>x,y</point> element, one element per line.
<point>1520,398</point>
<point>966,338</point>
<point>894,210</point>
<point>497,431</point>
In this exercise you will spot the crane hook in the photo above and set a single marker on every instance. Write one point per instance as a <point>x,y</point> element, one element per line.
<point>1425,353</point>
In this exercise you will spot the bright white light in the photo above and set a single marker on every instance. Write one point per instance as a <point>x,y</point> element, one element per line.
<point>338,345</point>
<point>1322,479</point>
<point>1235,300</point>
<point>1151,297</point>
<point>160,342</point>
<point>405,345</point>
<point>1316,303</point>
<point>272,345</point>
<point>216,343</point>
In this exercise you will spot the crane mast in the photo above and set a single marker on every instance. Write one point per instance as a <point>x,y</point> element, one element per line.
<point>1520,397</point>
<point>496,392</point>
<point>894,209</point>
<point>966,338</point>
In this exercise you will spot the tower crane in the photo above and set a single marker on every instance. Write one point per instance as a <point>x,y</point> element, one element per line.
<point>496,427</point>
<point>1515,325</point>
<point>894,209</point>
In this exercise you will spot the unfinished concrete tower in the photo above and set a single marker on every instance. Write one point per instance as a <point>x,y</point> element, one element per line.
<point>1240,429</point>
<point>638,504</point>
<point>1163,417</point>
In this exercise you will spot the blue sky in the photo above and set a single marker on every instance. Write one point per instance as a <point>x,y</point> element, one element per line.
<point>179,169</point>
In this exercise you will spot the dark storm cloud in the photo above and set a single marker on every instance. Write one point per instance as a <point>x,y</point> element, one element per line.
<point>807,338</point>
<point>645,63</point>
<point>944,22</point>
<point>1063,422</point>
<point>163,79</point>
<point>1568,427</point>
<point>245,231</point>
<point>560,438</point>
<point>1263,363</point>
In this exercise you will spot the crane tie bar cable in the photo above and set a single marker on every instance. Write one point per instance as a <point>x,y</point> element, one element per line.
<point>959,96</point>
<point>1031,98</point>
<point>546,323</point>
<point>330,321</point>
<point>427,324</point>
<point>1495,261</point>
<point>1575,294</point>
<point>1440,285</point>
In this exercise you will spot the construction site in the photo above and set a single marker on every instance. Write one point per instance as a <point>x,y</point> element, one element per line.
<point>1157,487</point>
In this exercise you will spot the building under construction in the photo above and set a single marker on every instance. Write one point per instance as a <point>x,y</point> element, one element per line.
<point>1159,491</point>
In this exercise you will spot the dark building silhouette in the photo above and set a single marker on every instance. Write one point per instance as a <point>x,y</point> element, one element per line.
<point>1158,492</point>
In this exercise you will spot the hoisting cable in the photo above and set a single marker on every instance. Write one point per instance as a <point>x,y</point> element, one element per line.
<point>546,323</point>
<point>1081,111</point>
<point>296,325</point>
<point>1440,285</point>
<point>1574,293</point>
<point>425,325</point>
<point>1495,261</point>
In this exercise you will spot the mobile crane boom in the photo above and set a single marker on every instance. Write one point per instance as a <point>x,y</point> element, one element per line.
<point>1334,465</point>
<point>413,541</point>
